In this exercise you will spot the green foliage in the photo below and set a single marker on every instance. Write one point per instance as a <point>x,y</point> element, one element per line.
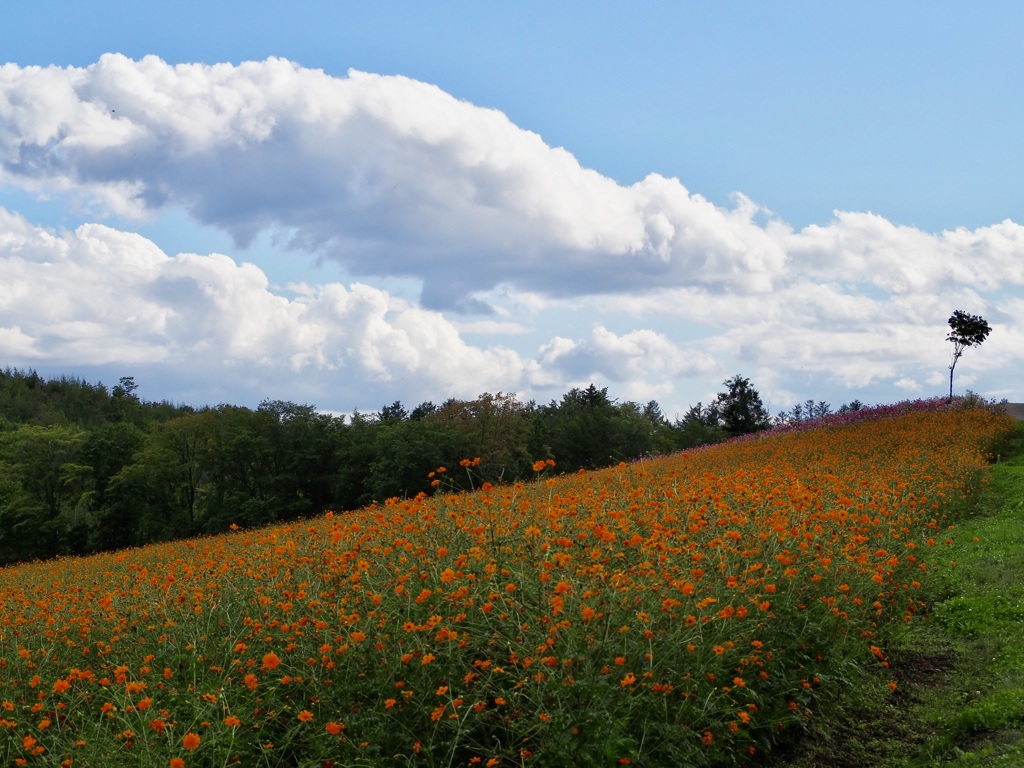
<point>700,426</point>
<point>43,491</point>
<point>406,453</point>
<point>496,428</point>
<point>739,409</point>
<point>587,430</point>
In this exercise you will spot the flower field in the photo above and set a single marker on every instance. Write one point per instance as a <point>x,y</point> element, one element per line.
<point>688,610</point>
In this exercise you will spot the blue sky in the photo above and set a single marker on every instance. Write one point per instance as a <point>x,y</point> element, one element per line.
<point>726,135</point>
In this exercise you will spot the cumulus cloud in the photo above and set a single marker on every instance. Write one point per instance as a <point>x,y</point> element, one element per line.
<point>396,178</point>
<point>832,336</point>
<point>633,356</point>
<point>868,249</point>
<point>98,296</point>
<point>383,173</point>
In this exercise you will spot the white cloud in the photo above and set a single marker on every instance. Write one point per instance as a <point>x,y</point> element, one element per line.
<point>98,296</point>
<point>865,248</point>
<point>492,328</point>
<point>908,385</point>
<point>18,344</point>
<point>394,178</point>
<point>632,357</point>
<point>388,175</point>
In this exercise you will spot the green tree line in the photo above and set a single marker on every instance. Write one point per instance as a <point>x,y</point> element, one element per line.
<point>85,469</point>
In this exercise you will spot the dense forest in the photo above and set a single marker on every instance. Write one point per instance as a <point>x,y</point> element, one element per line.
<point>84,468</point>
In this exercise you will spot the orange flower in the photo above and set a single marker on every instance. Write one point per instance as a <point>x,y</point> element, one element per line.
<point>191,741</point>
<point>271,661</point>
<point>648,547</point>
<point>177,762</point>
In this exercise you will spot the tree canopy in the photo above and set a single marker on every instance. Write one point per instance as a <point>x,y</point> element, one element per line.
<point>739,409</point>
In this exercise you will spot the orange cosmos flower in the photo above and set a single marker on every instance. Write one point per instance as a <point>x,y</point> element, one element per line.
<point>271,661</point>
<point>191,741</point>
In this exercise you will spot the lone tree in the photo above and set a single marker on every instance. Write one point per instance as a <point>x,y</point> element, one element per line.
<point>739,410</point>
<point>965,331</point>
